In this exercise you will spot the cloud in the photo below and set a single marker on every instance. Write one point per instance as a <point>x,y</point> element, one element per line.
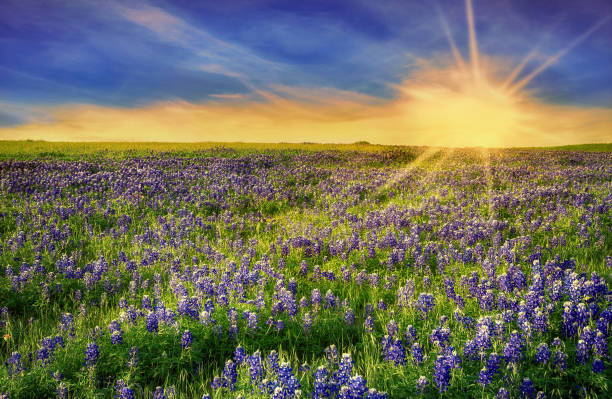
<point>437,105</point>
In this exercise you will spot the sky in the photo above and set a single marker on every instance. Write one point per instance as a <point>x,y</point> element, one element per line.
<point>444,73</point>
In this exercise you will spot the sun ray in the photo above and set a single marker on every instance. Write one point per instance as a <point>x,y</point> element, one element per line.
<point>402,173</point>
<point>473,42</point>
<point>449,37</point>
<point>486,164</point>
<point>551,60</point>
<point>519,68</point>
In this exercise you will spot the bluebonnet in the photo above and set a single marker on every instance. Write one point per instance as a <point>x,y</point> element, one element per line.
<point>14,364</point>
<point>152,322</point>
<point>422,384</point>
<point>349,317</point>
<point>598,366</point>
<point>417,353</point>
<point>133,362</point>
<point>542,353</point>
<point>442,370</point>
<point>393,350</point>
<point>91,354</point>
<point>526,389</point>
<point>425,304</point>
<point>122,391</point>
<point>186,339</point>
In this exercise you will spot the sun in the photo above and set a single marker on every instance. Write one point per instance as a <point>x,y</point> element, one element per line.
<point>465,111</point>
<point>467,103</point>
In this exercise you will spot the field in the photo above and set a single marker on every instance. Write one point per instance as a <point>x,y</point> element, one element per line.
<point>304,271</point>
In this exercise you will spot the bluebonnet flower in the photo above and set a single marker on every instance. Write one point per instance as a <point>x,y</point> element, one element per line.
<point>598,366</point>
<point>422,384</point>
<point>502,394</point>
<point>330,300</point>
<point>152,322</point>
<point>61,391</point>
<point>582,352</point>
<point>442,375</point>
<point>392,328</point>
<point>66,324</point>
<point>116,337</point>
<point>47,349</point>
<point>91,354</point>
<point>256,371</point>
<point>272,361</point>
<point>440,336</point>
<point>122,391</point>
<point>485,377</point>
<point>425,304</point>
<point>560,359</point>
<point>356,387</point>
<point>307,322</point>
<point>393,350</point>
<point>513,348</point>
<point>321,387</point>
<point>374,394</point>
<point>186,339</point>
<point>252,322</point>
<point>542,353</point>
<point>239,355</point>
<point>349,317</point>
<point>600,345</point>
<point>417,353</point>
<point>368,324</point>
<point>133,362</point>
<point>493,363</point>
<point>316,298</point>
<point>230,374</point>
<point>287,380</point>
<point>345,368</point>
<point>526,389</point>
<point>14,364</point>
<point>411,334</point>
<point>332,354</point>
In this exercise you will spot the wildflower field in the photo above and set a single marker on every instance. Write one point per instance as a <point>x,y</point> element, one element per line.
<point>304,271</point>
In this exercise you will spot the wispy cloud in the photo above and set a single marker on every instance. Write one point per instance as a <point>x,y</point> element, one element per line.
<point>435,108</point>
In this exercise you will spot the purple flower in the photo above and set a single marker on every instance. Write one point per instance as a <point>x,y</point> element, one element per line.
<point>186,339</point>
<point>442,376</point>
<point>598,366</point>
<point>122,391</point>
<point>582,352</point>
<point>526,389</point>
<point>349,317</point>
<point>91,354</point>
<point>542,353</point>
<point>230,374</point>
<point>368,324</point>
<point>116,337</point>
<point>393,350</point>
<point>14,364</point>
<point>152,322</point>
<point>417,353</point>
<point>133,362</point>
<point>485,377</point>
<point>425,304</point>
<point>422,384</point>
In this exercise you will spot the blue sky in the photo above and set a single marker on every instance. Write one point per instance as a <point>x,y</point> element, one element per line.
<point>136,53</point>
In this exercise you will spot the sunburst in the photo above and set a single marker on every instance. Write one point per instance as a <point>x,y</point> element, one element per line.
<point>469,103</point>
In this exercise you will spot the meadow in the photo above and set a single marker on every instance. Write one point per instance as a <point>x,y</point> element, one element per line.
<point>160,270</point>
